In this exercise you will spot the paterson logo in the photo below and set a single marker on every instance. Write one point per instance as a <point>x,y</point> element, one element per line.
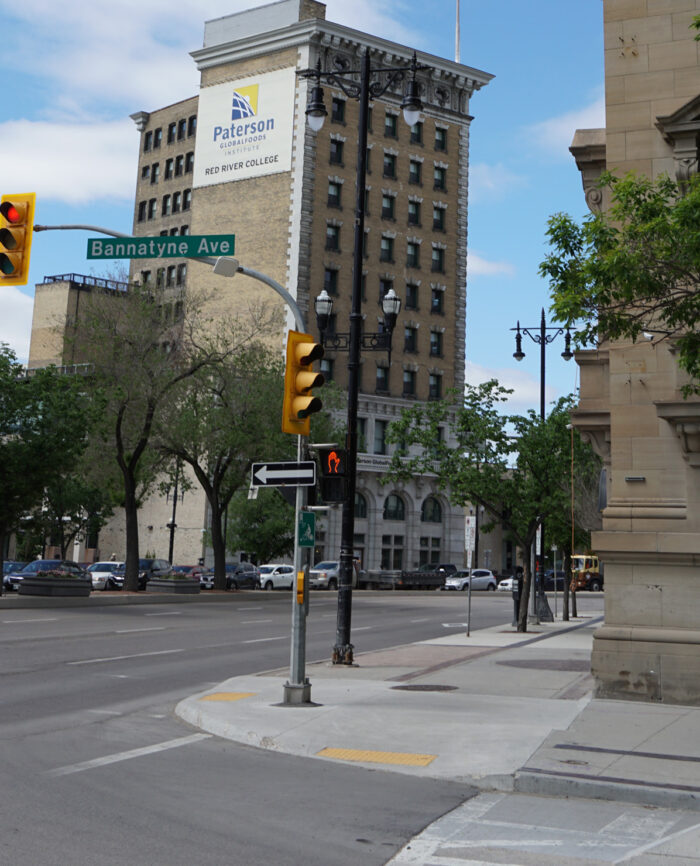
<point>245,127</point>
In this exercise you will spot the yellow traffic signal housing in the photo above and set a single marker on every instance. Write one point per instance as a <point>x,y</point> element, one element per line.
<point>299,379</point>
<point>16,227</point>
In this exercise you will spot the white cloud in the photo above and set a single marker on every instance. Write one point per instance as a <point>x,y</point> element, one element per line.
<point>477,266</point>
<point>526,388</point>
<point>16,320</point>
<point>489,183</point>
<point>556,134</point>
<point>70,162</point>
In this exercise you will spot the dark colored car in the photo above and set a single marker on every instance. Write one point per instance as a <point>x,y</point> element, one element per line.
<point>242,575</point>
<point>14,578</point>
<point>148,568</point>
<point>549,581</point>
<point>11,565</point>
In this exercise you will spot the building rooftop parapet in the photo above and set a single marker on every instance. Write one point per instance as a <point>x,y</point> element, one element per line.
<point>81,280</point>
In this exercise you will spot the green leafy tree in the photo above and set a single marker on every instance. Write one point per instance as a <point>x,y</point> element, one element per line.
<point>43,426</point>
<point>512,465</point>
<point>633,268</point>
<point>141,345</point>
<point>263,527</point>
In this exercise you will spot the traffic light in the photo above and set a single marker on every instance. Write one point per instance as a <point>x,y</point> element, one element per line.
<point>16,227</point>
<point>299,379</point>
<point>333,465</point>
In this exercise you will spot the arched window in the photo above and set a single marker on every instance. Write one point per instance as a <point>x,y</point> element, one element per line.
<point>360,505</point>
<point>394,508</point>
<point>431,511</point>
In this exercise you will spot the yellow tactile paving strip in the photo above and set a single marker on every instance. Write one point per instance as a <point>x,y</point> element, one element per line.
<point>406,759</point>
<point>227,696</point>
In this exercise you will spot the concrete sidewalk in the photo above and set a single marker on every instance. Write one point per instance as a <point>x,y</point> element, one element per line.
<point>499,710</point>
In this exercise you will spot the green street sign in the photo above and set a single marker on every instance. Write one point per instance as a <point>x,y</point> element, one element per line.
<point>170,247</point>
<point>307,529</point>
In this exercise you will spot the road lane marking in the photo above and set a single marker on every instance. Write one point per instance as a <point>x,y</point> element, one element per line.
<point>253,621</point>
<point>425,619</point>
<point>121,658</point>
<point>43,619</point>
<point>166,613</point>
<point>106,712</point>
<point>132,630</point>
<point>263,639</point>
<point>125,756</point>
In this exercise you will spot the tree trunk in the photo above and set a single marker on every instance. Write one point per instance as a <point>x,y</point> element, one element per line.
<point>131,574</point>
<point>525,597</point>
<point>218,546</point>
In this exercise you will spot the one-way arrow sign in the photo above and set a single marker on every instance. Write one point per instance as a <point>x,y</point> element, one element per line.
<point>283,474</point>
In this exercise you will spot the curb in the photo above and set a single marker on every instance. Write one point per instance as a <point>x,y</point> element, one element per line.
<point>530,780</point>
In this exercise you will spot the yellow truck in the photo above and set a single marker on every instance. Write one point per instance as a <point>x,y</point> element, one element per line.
<point>586,573</point>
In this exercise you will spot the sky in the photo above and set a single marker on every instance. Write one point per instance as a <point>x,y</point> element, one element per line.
<point>75,71</point>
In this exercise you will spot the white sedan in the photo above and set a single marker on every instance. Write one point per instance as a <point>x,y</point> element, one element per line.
<point>480,578</point>
<point>507,585</point>
<point>101,574</point>
<point>276,576</point>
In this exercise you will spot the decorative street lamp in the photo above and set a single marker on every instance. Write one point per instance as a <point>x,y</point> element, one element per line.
<point>378,342</point>
<point>542,338</point>
<point>363,90</point>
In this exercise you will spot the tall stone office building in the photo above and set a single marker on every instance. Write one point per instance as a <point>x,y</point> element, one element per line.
<point>631,404</point>
<point>240,158</point>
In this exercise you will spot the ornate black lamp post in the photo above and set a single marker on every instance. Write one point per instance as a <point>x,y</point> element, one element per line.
<point>362,90</point>
<point>542,336</point>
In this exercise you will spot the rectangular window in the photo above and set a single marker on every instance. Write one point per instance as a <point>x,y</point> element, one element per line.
<point>160,277</point>
<point>389,165</point>
<point>439,219</point>
<point>338,110</point>
<point>152,208</point>
<point>410,339</point>
<point>382,388</point>
<point>155,172</point>
<point>369,161</point>
<point>440,139</point>
<point>326,367</point>
<point>439,178</point>
<point>333,238</point>
<point>409,383</point>
<point>142,211</point>
<point>411,296</point>
<point>438,261</point>
<point>170,278</point>
<point>437,301</point>
<point>386,251</point>
<point>165,210</point>
<point>182,129</point>
<point>172,128</point>
<point>169,163</point>
<point>147,142</point>
<point>189,162</point>
<point>436,344</point>
<point>330,281</point>
<point>417,133</point>
<point>414,171</point>
<point>157,138</point>
<point>385,285</point>
<point>191,125</point>
<point>362,435</point>
<point>186,199</point>
<point>145,172</point>
<point>334,193</point>
<point>366,202</point>
<point>177,202</point>
<point>184,230</point>
<point>179,165</point>
<point>365,244</point>
<point>414,213</point>
<point>181,274</point>
<point>412,255</point>
<point>380,428</point>
<point>434,386</point>
<point>391,126</point>
<point>388,202</point>
<point>336,154</point>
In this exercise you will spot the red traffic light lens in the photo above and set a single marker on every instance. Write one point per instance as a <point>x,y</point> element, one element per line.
<point>10,212</point>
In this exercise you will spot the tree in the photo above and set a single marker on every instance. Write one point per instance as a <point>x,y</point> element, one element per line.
<point>263,527</point>
<point>511,465</point>
<point>43,426</point>
<point>141,344</point>
<point>634,268</point>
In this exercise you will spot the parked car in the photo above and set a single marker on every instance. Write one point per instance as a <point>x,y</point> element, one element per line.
<point>148,568</point>
<point>507,584</point>
<point>242,575</point>
<point>14,578</point>
<point>325,575</point>
<point>276,576</point>
<point>12,565</point>
<point>102,574</point>
<point>480,578</point>
<point>550,583</point>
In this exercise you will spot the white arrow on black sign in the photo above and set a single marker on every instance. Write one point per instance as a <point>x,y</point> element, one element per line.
<point>283,474</point>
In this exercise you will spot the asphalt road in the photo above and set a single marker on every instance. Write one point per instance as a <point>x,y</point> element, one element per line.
<point>96,769</point>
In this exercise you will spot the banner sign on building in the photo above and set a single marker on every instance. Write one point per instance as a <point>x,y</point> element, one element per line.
<point>244,128</point>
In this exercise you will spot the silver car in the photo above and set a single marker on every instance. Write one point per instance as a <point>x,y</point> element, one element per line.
<point>101,574</point>
<point>324,575</point>
<point>480,578</point>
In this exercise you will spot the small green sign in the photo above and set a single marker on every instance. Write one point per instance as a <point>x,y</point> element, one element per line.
<point>170,247</point>
<point>307,529</point>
